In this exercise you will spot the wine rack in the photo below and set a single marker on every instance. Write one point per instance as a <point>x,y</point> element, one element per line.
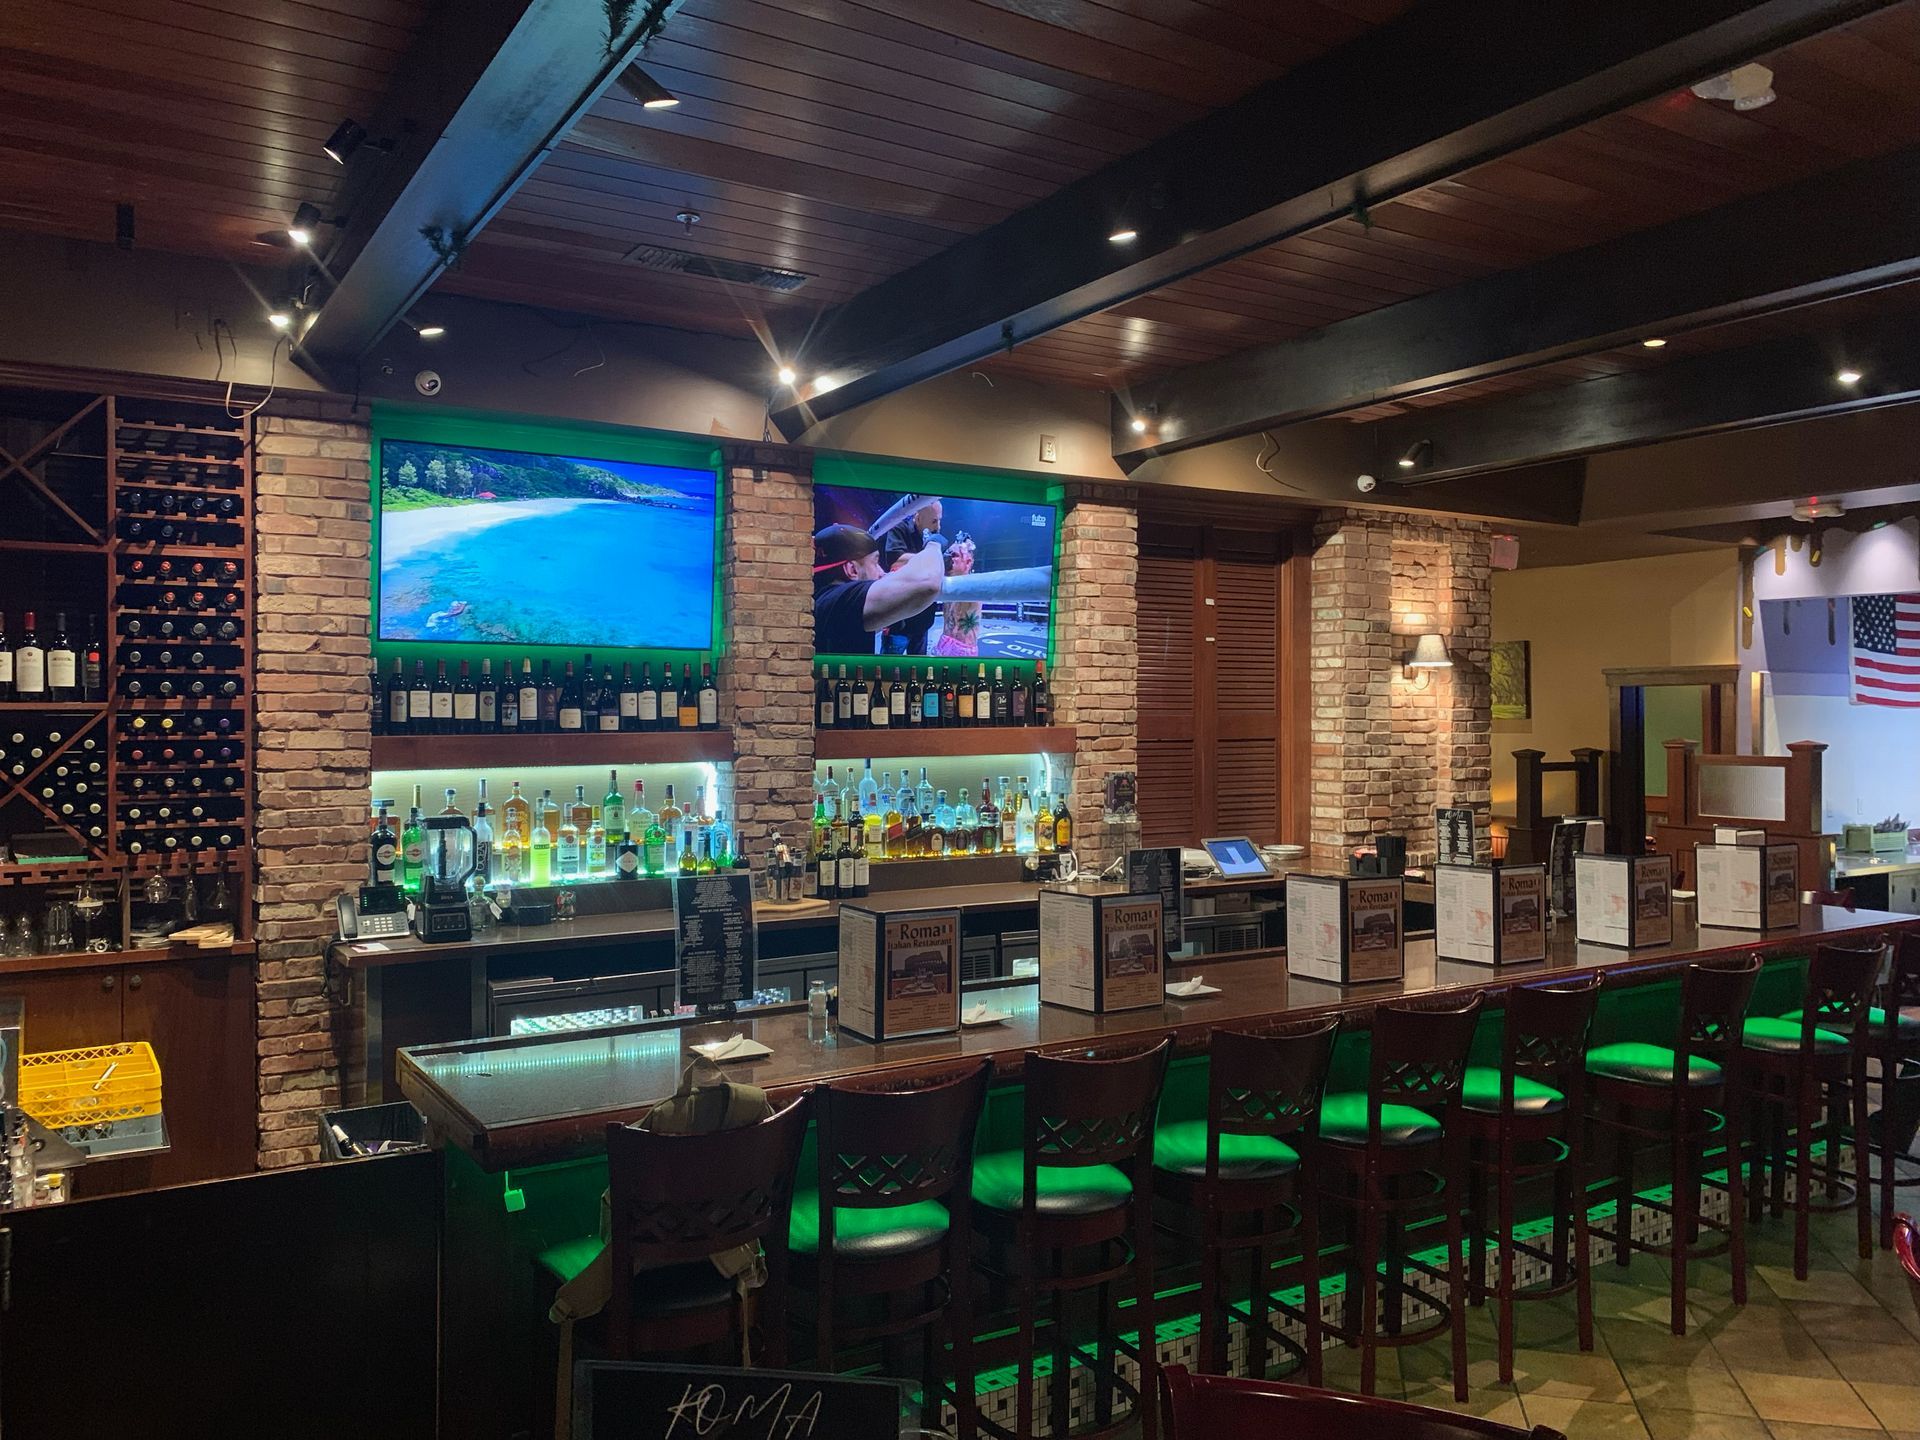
<point>135,514</point>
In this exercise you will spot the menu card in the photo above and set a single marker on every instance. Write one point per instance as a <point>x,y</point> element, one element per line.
<point>1158,872</point>
<point>1490,914</point>
<point>1453,831</point>
<point>714,941</point>
<point>1346,929</point>
<point>1624,900</point>
<point>899,972</point>
<point>1101,952</point>
<point>1748,887</point>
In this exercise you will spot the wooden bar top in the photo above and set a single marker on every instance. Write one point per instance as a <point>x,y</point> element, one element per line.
<point>531,1100</point>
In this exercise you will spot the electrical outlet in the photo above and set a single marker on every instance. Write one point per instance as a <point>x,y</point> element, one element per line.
<point>1049,449</point>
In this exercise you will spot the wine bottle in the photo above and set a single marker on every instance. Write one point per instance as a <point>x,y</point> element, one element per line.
<point>843,699</point>
<point>419,701</point>
<point>569,708</point>
<point>646,702</point>
<point>896,700</point>
<point>466,703</point>
<point>824,710</point>
<point>506,705</point>
<point>914,704</point>
<point>982,698</point>
<point>629,699</point>
<point>709,698</point>
<point>669,698</point>
<point>6,662</point>
<point>486,700</point>
<point>1002,701</point>
<point>963,701</point>
<point>862,698</point>
<point>689,699</point>
<point>441,700</point>
<point>879,703</point>
<point>612,718</point>
<point>589,703</point>
<point>1040,708</point>
<point>29,663</point>
<point>529,706</point>
<point>92,662</point>
<point>549,698</point>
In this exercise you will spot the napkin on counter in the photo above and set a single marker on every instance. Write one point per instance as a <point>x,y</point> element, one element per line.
<point>738,1048</point>
<point>1194,986</point>
<point>974,1014</point>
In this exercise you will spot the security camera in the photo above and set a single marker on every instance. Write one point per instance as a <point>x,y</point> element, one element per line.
<point>427,382</point>
<point>1365,484</point>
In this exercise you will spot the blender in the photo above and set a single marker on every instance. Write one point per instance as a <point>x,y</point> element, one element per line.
<point>442,913</point>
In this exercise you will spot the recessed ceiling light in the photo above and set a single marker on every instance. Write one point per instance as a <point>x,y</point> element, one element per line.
<point>1847,377</point>
<point>280,317</point>
<point>1653,342</point>
<point>1125,235</point>
<point>1139,424</point>
<point>788,375</point>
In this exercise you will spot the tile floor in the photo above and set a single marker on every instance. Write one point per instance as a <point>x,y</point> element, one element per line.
<point>1834,1357</point>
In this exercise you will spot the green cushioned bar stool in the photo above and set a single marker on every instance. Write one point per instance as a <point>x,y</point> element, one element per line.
<point>1683,1095</point>
<point>1893,1043</point>
<point>886,1226</point>
<point>1069,1214</point>
<point>1526,1119</point>
<point>1792,1062</point>
<point>1237,1171</point>
<point>1395,1151</point>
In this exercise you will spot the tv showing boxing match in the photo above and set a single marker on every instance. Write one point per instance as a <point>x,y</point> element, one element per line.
<point>503,547</point>
<point>921,575</point>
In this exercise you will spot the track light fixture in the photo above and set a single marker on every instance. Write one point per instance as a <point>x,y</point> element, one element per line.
<point>1847,376</point>
<point>649,92</point>
<point>426,331</point>
<point>305,221</point>
<point>1123,235</point>
<point>348,136</point>
<point>281,315</point>
<point>1418,455</point>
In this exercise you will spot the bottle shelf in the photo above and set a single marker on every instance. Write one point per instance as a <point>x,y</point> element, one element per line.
<point>910,742</point>
<point>69,707</point>
<point>500,750</point>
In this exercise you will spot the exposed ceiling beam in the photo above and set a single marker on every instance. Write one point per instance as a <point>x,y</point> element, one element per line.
<point>486,92</point>
<point>1425,96</point>
<point>1765,253</point>
<point>1796,378</point>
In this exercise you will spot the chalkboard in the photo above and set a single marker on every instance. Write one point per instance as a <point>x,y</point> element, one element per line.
<point>626,1400</point>
<point>1453,829</point>
<point>714,952</point>
<point>1158,872</point>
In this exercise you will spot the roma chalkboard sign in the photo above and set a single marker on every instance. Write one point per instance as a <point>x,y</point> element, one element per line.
<point>714,943</point>
<point>627,1400</point>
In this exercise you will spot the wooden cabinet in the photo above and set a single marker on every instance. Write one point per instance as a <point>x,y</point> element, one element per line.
<point>197,1012</point>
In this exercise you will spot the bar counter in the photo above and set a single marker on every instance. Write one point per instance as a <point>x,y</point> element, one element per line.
<point>532,1100</point>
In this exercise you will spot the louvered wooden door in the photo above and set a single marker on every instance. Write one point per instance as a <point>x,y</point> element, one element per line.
<point>1220,652</point>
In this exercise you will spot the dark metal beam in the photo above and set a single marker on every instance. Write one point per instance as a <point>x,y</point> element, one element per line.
<point>1765,253</point>
<point>486,92</point>
<point>1430,94</point>
<point>1791,379</point>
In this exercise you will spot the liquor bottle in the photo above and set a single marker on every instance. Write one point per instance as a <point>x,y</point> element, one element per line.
<point>92,663</point>
<point>860,857</point>
<point>515,816</point>
<point>936,826</point>
<point>879,701</point>
<point>826,865</point>
<point>914,706</point>
<point>384,846</point>
<point>440,700</point>
<point>63,664</point>
<point>983,698</point>
<point>6,661</point>
<point>862,697</point>
<point>30,664</point>
<point>653,846</point>
<point>482,837</point>
<point>549,698</point>
<point>595,859</point>
<point>709,857</point>
<point>869,791</point>
<point>1017,698</point>
<point>629,699</point>
<point>613,809</point>
<point>831,797</point>
<point>466,702</point>
<point>669,698</point>
<point>694,822</point>
<point>825,712</point>
<point>963,704</point>
<point>529,698</point>
<point>887,827</point>
<point>639,817</point>
<point>413,848</point>
<point>613,717</point>
<point>1024,821</point>
<point>1040,706</point>
<point>568,707</point>
<point>452,807</point>
<point>540,848</point>
<point>923,793</point>
<point>989,831</point>
<point>720,841</point>
<point>913,837</point>
<point>670,814</point>
<point>1043,832</point>
<point>843,699</point>
<point>580,812</point>
<point>646,701</point>
<point>419,701</point>
<point>626,857</point>
<point>709,698</point>
<point>689,700</point>
<point>963,831</point>
<point>486,699</point>
<point>1008,817</point>
<point>1062,825</point>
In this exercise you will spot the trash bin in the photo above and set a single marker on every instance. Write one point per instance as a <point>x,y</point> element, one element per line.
<point>372,1130</point>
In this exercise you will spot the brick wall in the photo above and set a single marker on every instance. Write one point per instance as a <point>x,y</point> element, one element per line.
<point>766,684</point>
<point>1386,750</point>
<point>1096,673</point>
<point>312,752</point>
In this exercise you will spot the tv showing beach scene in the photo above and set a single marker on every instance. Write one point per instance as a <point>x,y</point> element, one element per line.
<point>502,547</point>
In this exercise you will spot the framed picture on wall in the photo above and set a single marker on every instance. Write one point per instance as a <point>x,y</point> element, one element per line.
<point>1511,674</point>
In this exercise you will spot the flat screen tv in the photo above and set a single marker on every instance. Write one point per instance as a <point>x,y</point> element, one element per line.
<point>989,593</point>
<point>502,547</point>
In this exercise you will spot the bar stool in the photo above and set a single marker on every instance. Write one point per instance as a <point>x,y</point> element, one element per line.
<point>1524,1119</point>
<point>1394,1150</point>
<point>678,1201</point>
<point>1238,1172</point>
<point>889,1219</point>
<point>1643,1093</point>
<point>1893,1042</point>
<point>1790,1060</point>
<point>1072,1211</point>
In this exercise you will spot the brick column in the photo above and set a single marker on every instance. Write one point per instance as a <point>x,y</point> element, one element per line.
<point>1096,666</point>
<point>312,751</point>
<point>766,684</point>
<point>1386,752</point>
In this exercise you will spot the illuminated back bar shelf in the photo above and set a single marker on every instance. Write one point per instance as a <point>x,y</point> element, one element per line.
<point>499,751</point>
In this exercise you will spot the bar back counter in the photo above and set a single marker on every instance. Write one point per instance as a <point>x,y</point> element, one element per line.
<point>522,1119</point>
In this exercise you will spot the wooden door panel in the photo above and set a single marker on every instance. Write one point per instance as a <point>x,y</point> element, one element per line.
<point>1168,588</point>
<point>1247,622</point>
<point>198,1015</point>
<point>1247,794</point>
<point>68,1009</point>
<point>1168,790</point>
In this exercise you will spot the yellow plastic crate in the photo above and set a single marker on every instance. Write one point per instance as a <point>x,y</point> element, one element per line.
<point>60,1088</point>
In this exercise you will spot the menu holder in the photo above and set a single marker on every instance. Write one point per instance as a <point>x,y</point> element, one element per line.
<point>1624,900</point>
<point>1490,914</point>
<point>1101,953</point>
<point>1748,887</point>
<point>714,942</point>
<point>1346,928</point>
<point>899,972</point>
<point>1158,872</point>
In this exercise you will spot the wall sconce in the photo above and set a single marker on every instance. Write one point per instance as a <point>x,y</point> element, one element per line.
<point>1429,654</point>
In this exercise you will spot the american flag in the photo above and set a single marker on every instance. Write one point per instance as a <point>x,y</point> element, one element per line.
<point>1886,650</point>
